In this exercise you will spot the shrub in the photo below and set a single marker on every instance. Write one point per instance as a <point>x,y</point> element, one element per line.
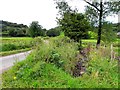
<point>8,47</point>
<point>59,51</point>
<point>53,32</point>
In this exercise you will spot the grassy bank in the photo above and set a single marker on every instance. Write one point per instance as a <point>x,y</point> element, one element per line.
<point>52,63</point>
<point>13,52</point>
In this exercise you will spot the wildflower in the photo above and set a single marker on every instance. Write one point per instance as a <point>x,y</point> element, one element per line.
<point>14,78</point>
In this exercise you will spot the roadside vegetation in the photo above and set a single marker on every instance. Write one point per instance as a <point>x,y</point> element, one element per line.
<point>82,52</point>
<point>55,64</point>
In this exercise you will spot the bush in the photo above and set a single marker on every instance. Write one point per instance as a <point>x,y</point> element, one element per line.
<point>92,35</point>
<point>53,32</point>
<point>35,29</point>
<point>8,47</point>
<point>59,51</point>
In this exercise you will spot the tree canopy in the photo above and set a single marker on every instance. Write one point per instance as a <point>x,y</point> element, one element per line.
<point>13,29</point>
<point>53,32</point>
<point>75,25</point>
<point>35,29</point>
<point>97,11</point>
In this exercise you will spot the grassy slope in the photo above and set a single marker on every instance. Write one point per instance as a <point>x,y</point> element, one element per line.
<point>13,52</point>
<point>38,71</point>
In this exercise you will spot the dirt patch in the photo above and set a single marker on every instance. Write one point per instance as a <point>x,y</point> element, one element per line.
<point>83,58</point>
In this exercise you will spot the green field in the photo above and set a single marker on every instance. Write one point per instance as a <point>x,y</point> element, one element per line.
<point>52,65</point>
<point>13,45</point>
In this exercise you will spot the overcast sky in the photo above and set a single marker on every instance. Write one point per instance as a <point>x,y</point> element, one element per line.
<point>43,11</point>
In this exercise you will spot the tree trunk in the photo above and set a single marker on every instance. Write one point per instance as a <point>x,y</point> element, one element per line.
<point>100,26</point>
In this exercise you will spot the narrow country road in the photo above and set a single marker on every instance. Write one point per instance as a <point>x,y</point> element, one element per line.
<point>7,61</point>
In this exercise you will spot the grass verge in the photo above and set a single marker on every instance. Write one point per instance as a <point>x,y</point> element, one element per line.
<point>13,52</point>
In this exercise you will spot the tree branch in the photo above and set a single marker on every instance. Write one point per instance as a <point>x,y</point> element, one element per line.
<point>92,5</point>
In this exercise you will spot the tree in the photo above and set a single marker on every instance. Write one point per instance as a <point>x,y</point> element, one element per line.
<point>53,32</point>
<point>99,10</point>
<point>108,37</point>
<point>34,29</point>
<point>75,25</point>
<point>12,32</point>
<point>21,32</point>
<point>43,32</point>
<point>13,29</point>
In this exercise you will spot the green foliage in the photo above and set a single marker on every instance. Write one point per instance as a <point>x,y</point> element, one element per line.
<point>21,32</point>
<point>8,47</point>
<point>58,51</point>
<point>36,30</point>
<point>62,34</point>
<point>103,69</point>
<point>13,29</point>
<point>9,44</point>
<point>15,32</point>
<point>40,75</point>
<point>108,8</point>
<point>108,37</point>
<point>97,13</point>
<point>4,53</point>
<point>92,35</point>
<point>49,66</point>
<point>75,25</point>
<point>53,32</point>
<point>43,32</point>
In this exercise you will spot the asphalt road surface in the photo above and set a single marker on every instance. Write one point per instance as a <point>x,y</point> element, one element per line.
<point>7,61</point>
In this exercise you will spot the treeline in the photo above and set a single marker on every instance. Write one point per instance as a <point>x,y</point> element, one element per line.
<point>34,30</point>
<point>12,29</point>
<point>21,30</point>
<point>37,30</point>
<point>116,27</point>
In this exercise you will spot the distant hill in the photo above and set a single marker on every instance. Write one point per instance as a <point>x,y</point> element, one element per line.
<point>0,24</point>
<point>10,27</point>
<point>6,24</point>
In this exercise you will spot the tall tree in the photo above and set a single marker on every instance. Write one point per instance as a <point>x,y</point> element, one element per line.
<point>99,10</point>
<point>35,29</point>
<point>74,24</point>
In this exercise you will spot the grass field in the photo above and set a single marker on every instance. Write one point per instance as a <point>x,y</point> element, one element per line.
<point>116,44</point>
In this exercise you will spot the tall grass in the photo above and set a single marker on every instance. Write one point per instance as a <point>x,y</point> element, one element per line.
<point>9,44</point>
<point>50,66</point>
